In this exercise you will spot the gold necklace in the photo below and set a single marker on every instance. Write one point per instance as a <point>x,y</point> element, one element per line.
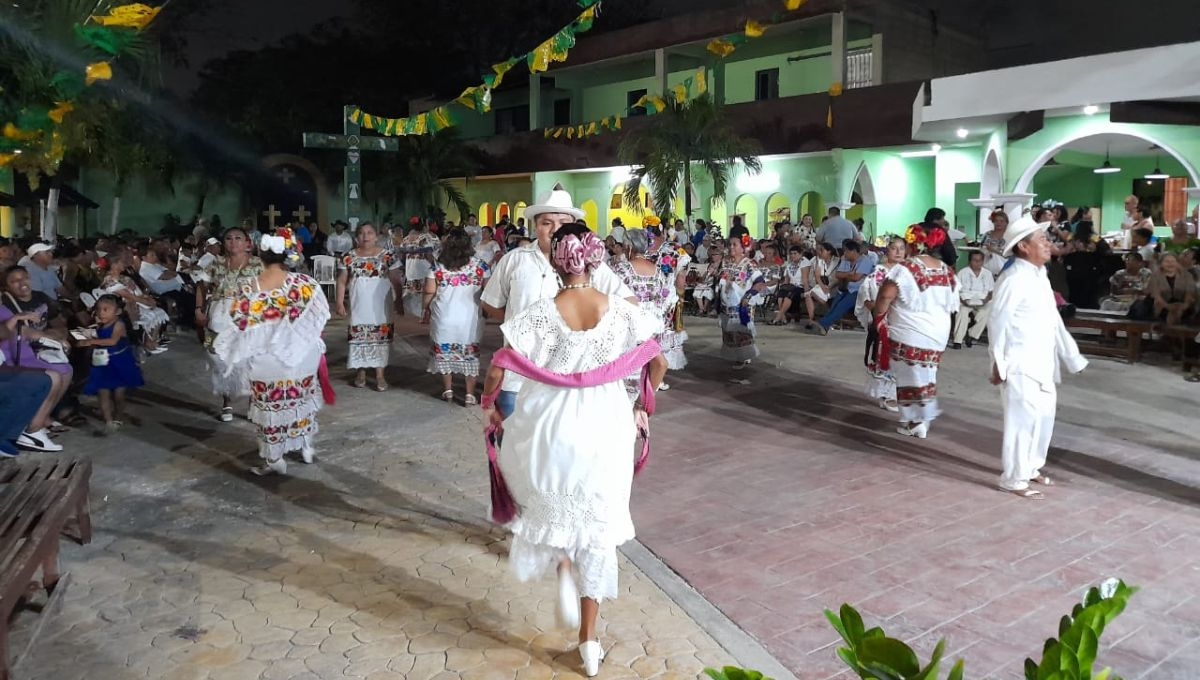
<point>577,286</point>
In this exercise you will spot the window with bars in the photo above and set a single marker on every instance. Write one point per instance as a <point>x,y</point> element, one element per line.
<point>859,67</point>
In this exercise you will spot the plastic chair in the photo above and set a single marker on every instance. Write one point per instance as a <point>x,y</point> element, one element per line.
<point>324,270</point>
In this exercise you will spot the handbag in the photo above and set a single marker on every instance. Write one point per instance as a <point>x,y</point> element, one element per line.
<point>50,351</point>
<point>100,356</point>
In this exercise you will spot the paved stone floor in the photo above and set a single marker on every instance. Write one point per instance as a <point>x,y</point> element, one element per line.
<point>790,494</point>
<point>773,499</point>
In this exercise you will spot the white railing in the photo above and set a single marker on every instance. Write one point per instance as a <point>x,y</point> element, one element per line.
<point>858,68</point>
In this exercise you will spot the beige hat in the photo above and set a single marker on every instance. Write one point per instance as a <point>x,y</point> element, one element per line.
<point>38,248</point>
<point>1017,231</point>
<point>557,200</point>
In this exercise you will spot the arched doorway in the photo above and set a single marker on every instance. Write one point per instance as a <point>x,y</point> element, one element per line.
<point>591,216</point>
<point>293,185</point>
<point>617,208</point>
<point>501,211</point>
<point>747,208</point>
<point>779,209</point>
<point>811,203</point>
<point>486,215</point>
<point>1065,173</point>
<point>518,211</point>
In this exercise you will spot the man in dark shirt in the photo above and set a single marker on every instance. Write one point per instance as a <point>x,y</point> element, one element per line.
<point>738,229</point>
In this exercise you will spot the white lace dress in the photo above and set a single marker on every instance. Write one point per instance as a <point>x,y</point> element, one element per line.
<point>568,454</point>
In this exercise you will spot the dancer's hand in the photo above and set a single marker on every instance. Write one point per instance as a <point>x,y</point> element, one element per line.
<point>641,419</point>
<point>492,418</point>
<point>995,379</point>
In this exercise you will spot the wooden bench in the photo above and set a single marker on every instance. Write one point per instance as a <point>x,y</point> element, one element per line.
<point>39,502</point>
<point>1109,325</point>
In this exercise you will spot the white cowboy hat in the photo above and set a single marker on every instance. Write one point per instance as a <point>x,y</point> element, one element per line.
<point>557,200</point>
<point>1017,231</point>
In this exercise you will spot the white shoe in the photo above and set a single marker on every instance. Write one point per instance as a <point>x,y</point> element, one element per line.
<point>920,431</point>
<point>568,599</point>
<point>888,405</point>
<point>592,654</point>
<point>157,350</point>
<point>38,441</point>
<point>307,453</point>
<point>278,467</point>
<point>227,414</point>
<point>663,387</point>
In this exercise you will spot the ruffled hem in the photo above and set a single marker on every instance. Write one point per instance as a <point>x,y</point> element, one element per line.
<point>442,366</point>
<point>676,359</point>
<point>235,383</point>
<point>281,432</point>
<point>368,355</point>
<point>283,340</point>
<point>919,413</point>
<point>595,571</point>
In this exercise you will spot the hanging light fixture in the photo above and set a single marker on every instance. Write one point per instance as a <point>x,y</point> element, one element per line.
<point>1107,168</point>
<point>1158,173</point>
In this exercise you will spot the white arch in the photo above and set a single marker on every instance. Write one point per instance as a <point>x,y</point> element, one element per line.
<point>992,178</point>
<point>862,179</point>
<point>1022,185</point>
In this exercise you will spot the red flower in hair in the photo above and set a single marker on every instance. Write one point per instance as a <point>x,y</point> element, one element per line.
<point>414,220</point>
<point>746,241</point>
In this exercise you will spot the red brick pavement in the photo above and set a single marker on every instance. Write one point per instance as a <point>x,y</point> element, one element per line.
<point>781,498</point>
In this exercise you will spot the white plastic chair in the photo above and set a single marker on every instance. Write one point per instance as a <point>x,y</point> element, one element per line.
<point>324,270</point>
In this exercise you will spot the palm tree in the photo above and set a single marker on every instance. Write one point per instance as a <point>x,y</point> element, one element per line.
<point>664,150</point>
<point>415,179</point>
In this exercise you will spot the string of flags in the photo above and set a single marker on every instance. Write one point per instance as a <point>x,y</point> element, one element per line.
<point>688,89</point>
<point>726,45</point>
<point>478,98</point>
<point>31,141</point>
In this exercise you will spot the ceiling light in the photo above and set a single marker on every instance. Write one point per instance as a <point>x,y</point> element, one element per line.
<point>936,148</point>
<point>1090,109</point>
<point>1158,173</point>
<point>1107,168</point>
<point>962,133</point>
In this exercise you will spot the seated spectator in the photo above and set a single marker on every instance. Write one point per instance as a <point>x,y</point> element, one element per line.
<point>819,285</point>
<point>976,286</point>
<point>1127,285</point>
<point>8,253</point>
<point>43,274</point>
<point>847,278</point>
<point>1141,243</point>
<point>30,331</point>
<point>791,285</point>
<point>704,292</point>
<point>168,284</point>
<point>1173,291</point>
<point>22,393</point>
<point>143,310</point>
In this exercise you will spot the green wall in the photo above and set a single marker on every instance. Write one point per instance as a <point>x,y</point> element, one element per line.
<point>601,101</point>
<point>144,205</point>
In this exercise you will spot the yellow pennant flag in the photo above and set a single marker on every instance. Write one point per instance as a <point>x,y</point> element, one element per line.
<point>356,116</point>
<point>558,132</point>
<point>680,92</point>
<point>441,118</point>
<point>617,123</point>
<point>135,15</point>
<point>6,159</point>
<point>100,70</point>
<point>60,111</point>
<point>793,5</point>
<point>754,29</point>
<point>721,47</point>
<point>13,132</point>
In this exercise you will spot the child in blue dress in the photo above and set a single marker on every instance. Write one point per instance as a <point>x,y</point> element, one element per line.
<point>114,369</point>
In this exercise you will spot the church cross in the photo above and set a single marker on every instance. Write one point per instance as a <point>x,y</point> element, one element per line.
<point>271,213</point>
<point>352,141</point>
<point>301,215</point>
<point>286,175</point>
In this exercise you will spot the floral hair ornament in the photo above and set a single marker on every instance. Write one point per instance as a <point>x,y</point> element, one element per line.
<point>283,243</point>
<point>924,240</point>
<point>414,221</point>
<point>651,221</point>
<point>746,242</point>
<point>578,254</point>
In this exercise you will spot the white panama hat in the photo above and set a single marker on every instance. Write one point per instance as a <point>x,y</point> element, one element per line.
<point>1017,231</point>
<point>557,200</point>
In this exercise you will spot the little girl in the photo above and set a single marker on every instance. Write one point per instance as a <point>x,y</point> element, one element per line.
<point>113,367</point>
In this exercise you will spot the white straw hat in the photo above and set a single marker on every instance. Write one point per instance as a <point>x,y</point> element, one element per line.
<point>1017,231</point>
<point>557,200</point>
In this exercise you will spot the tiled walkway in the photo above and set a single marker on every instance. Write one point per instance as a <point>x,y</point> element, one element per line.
<point>792,494</point>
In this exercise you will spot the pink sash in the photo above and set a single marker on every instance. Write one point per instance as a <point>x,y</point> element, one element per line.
<point>504,508</point>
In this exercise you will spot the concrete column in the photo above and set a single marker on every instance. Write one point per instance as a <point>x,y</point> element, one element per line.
<point>716,81</point>
<point>877,59</point>
<point>660,71</point>
<point>1014,204</point>
<point>985,206</point>
<point>838,49</point>
<point>535,101</point>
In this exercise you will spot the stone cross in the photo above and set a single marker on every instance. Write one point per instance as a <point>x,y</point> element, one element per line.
<point>352,141</point>
<point>301,215</point>
<point>286,175</point>
<point>271,213</point>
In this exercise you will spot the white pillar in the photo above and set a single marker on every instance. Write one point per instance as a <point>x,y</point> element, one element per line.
<point>1014,204</point>
<point>838,48</point>
<point>535,101</point>
<point>985,206</point>
<point>660,71</point>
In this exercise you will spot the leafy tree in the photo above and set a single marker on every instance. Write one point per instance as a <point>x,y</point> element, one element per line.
<point>414,180</point>
<point>676,143</point>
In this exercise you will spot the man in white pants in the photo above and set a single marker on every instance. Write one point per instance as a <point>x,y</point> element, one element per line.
<point>1027,340</point>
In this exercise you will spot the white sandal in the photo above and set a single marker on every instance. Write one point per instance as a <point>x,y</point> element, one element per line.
<point>448,396</point>
<point>592,654</point>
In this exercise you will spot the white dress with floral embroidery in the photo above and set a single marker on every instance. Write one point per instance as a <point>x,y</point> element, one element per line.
<point>456,326</point>
<point>275,339</point>
<point>370,287</point>
<point>568,453</point>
